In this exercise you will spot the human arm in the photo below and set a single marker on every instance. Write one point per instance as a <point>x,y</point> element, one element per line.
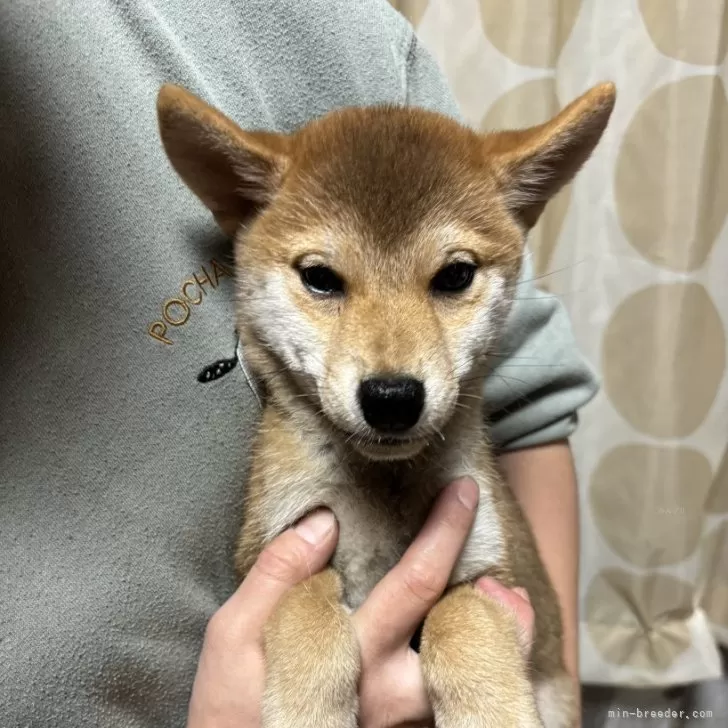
<point>543,480</point>
<point>532,397</point>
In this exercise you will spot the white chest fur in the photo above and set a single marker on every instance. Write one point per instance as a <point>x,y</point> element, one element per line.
<point>376,527</point>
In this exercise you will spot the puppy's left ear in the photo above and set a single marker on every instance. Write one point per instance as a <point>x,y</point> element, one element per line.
<point>532,165</point>
<point>234,172</point>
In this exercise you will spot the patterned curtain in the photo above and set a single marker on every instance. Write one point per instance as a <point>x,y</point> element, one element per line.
<point>637,249</point>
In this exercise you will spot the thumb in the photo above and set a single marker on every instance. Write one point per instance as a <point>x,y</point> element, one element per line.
<point>289,559</point>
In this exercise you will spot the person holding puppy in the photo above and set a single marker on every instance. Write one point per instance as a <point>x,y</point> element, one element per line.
<point>121,470</point>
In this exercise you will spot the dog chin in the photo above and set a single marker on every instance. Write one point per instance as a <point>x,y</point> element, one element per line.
<point>382,450</point>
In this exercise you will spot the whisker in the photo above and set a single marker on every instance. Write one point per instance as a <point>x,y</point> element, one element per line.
<point>531,366</point>
<point>552,272</point>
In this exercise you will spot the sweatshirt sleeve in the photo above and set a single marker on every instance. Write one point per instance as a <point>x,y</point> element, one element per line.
<point>540,379</point>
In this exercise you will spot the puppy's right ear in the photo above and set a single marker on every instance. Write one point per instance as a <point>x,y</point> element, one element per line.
<point>232,171</point>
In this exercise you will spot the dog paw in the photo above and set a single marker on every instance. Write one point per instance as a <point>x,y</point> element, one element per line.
<point>311,716</point>
<point>528,720</point>
<point>312,659</point>
<point>473,664</point>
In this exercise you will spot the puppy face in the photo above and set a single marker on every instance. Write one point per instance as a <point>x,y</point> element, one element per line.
<point>379,273</point>
<point>377,248</point>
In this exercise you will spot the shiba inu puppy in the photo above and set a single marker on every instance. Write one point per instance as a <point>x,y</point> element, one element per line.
<point>377,251</point>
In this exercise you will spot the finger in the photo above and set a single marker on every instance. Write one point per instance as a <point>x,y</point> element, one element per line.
<point>516,601</point>
<point>402,599</point>
<point>395,689</point>
<point>291,558</point>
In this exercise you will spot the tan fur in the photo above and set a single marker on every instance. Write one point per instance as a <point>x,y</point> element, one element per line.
<point>311,617</point>
<point>385,197</point>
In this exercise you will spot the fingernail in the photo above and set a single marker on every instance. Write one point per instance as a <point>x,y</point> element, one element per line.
<point>522,593</point>
<point>488,584</point>
<point>314,527</point>
<point>468,493</point>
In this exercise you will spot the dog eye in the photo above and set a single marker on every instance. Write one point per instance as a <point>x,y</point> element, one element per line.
<point>453,278</point>
<point>320,279</point>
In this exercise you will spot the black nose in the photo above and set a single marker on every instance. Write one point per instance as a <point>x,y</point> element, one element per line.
<point>391,404</point>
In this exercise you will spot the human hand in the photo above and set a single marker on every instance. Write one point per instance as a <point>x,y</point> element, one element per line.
<point>392,691</point>
<point>228,688</point>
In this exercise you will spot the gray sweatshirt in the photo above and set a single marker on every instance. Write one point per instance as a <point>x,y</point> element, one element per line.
<point>120,472</point>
